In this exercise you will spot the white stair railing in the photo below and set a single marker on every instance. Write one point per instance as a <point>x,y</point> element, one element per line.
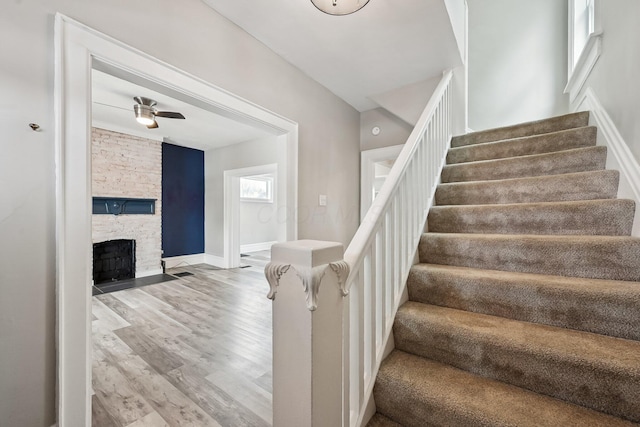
<point>327,348</point>
<point>383,249</point>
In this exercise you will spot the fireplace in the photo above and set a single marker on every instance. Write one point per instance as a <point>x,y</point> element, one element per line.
<point>114,260</point>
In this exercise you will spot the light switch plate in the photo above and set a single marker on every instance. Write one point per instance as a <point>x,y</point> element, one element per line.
<point>322,200</point>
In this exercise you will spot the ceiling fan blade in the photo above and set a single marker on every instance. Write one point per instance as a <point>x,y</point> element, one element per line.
<point>169,114</point>
<point>153,126</point>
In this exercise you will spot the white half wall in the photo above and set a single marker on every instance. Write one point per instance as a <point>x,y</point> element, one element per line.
<point>517,61</point>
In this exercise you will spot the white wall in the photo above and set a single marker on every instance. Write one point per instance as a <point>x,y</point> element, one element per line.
<point>615,76</point>
<point>408,102</point>
<point>517,61</point>
<point>393,131</point>
<point>258,222</point>
<point>190,36</point>
<point>457,11</point>
<point>247,154</point>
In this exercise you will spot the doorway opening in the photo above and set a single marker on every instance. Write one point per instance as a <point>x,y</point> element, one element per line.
<point>374,168</point>
<point>79,49</point>
<point>251,215</point>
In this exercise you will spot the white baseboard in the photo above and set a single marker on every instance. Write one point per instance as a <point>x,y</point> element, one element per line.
<point>176,261</point>
<point>184,260</point>
<point>148,273</point>
<point>254,247</point>
<point>215,261</point>
<point>619,155</point>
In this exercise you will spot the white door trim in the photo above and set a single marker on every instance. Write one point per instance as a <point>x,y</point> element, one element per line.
<point>78,48</point>
<point>368,158</point>
<point>232,209</point>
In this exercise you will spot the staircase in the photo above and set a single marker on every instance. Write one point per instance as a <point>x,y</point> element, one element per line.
<point>525,307</point>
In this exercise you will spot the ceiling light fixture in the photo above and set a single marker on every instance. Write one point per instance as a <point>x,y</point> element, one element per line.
<point>339,7</point>
<point>144,114</point>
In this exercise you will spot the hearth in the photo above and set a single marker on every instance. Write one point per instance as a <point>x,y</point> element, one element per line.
<point>114,260</point>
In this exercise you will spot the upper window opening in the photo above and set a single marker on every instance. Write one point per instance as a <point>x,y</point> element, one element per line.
<point>581,21</point>
<point>257,188</point>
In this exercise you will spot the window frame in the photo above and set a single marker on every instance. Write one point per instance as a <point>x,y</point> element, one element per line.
<point>575,53</point>
<point>269,179</point>
<point>581,60</point>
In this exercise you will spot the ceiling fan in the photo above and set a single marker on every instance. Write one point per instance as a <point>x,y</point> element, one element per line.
<point>146,112</point>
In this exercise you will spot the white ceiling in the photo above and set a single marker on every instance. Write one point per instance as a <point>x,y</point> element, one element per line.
<point>386,45</point>
<point>112,109</point>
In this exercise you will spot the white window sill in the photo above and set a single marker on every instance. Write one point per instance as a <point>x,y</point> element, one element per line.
<point>585,64</point>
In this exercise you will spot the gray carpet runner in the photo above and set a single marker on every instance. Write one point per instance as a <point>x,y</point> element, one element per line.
<point>525,307</point>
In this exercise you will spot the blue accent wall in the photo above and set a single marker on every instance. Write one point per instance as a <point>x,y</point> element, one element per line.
<point>182,200</point>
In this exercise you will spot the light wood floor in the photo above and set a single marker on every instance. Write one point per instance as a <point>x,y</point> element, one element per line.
<point>195,351</point>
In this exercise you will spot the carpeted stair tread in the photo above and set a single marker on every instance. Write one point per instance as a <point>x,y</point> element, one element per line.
<point>554,124</point>
<point>551,188</point>
<point>613,217</point>
<point>608,307</point>
<point>555,163</point>
<point>525,307</point>
<point>595,257</point>
<point>595,371</point>
<point>536,144</point>
<point>379,420</point>
<point>524,146</point>
<point>415,391</point>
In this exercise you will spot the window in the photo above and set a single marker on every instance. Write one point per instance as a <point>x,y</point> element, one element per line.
<point>585,45</point>
<point>581,26</point>
<point>257,188</point>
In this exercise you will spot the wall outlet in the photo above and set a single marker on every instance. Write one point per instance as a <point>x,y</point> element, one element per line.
<point>322,200</point>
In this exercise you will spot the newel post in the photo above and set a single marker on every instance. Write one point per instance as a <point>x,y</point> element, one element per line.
<point>307,279</point>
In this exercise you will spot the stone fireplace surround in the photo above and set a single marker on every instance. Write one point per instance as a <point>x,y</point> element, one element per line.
<point>128,166</point>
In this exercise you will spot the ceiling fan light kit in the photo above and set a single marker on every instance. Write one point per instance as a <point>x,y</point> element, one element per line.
<point>339,7</point>
<point>146,113</point>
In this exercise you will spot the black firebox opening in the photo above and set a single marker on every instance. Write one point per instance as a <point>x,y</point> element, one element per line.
<point>114,260</point>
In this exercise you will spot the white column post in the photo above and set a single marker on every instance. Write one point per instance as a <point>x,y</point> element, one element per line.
<point>307,279</point>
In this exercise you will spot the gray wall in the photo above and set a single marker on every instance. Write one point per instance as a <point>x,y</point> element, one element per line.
<point>614,78</point>
<point>188,35</point>
<point>247,154</point>
<point>517,61</point>
<point>393,131</point>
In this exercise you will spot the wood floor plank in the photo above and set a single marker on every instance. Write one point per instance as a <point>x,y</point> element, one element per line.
<point>155,355</point>
<point>114,392</point>
<point>245,391</point>
<point>172,405</point>
<point>216,402</point>
<point>106,316</point>
<point>99,415</point>
<point>126,312</point>
<point>152,420</point>
<point>219,355</point>
<point>197,350</point>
